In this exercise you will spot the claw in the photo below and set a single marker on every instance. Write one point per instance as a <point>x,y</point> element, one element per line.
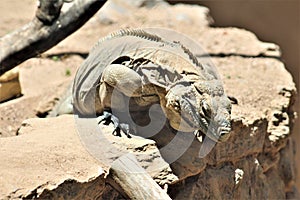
<point>117,132</point>
<point>199,135</point>
<point>125,128</point>
<point>106,116</point>
<point>110,118</point>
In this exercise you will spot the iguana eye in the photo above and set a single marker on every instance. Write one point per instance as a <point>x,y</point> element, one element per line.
<point>174,103</point>
<point>177,106</point>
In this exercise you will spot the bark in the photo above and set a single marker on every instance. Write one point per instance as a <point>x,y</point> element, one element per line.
<point>48,11</point>
<point>47,29</point>
<point>134,182</point>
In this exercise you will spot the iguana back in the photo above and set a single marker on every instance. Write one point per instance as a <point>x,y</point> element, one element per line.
<point>135,44</point>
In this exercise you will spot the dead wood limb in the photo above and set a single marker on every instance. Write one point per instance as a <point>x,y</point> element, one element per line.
<point>134,181</point>
<point>46,30</point>
<point>48,11</point>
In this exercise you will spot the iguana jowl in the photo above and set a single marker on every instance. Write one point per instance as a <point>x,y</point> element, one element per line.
<point>149,69</point>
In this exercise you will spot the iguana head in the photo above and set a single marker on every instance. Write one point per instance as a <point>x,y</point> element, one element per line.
<point>199,106</point>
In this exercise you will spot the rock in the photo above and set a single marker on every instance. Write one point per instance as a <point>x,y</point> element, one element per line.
<point>43,81</point>
<point>234,41</point>
<point>49,157</point>
<point>257,162</point>
<point>144,3</point>
<point>287,168</point>
<point>116,9</point>
<point>44,159</point>
<point>39,74</point>
<point>10,85</point>
<point>14,112</point>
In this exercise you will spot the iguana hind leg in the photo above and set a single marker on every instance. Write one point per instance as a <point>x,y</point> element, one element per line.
<point>64,105</point>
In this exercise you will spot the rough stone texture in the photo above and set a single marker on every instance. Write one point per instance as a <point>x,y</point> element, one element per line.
<point>10,85</point>
<point>257,162</point>
<point>45,157</point>
<point>49,160</point>
<point>42,81</point>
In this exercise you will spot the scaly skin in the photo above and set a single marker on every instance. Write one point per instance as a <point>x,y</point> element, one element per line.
<point>137,64</point>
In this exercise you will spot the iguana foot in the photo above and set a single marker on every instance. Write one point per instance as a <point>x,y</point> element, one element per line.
<point>110,118</point>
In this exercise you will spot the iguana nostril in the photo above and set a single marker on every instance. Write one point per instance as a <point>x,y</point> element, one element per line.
<point>223,133</point>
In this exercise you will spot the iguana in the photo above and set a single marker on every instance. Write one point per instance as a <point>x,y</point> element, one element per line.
<point>150,69</point>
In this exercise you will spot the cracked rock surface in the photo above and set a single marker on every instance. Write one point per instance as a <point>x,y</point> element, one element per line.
<point>44,158</point>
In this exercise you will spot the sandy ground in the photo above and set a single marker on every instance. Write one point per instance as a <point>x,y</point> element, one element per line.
<point>15,13</point>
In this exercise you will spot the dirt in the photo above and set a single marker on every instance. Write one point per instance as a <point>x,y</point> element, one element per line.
<point>14,14</point>
<point>44,79</point>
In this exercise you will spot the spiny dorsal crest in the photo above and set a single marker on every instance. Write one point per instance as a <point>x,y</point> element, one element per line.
<point>190,54</point>
<point>143,34</point>
<point>130,32</point>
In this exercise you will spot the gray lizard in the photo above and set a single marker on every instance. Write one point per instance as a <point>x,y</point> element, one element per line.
<point>150,69</point>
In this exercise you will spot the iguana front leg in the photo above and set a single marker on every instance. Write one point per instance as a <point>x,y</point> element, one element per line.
<point>118,83</point>
<point>122,78</point>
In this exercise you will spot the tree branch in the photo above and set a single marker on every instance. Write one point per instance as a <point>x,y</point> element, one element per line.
<point>46,30</point>
<point>48,11</point>
<point>132,181</point>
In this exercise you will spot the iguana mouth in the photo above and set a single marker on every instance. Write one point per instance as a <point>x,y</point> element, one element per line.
<point>217,133</point>
<point>223,133</point>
